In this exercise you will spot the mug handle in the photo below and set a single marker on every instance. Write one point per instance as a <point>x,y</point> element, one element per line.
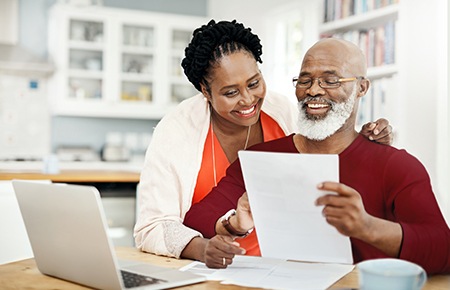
<point>423,279</point>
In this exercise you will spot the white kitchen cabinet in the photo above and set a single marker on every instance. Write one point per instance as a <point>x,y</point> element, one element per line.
<point>117,63</point>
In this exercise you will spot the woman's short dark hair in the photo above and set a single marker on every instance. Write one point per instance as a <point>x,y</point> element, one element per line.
<point>210,42</point>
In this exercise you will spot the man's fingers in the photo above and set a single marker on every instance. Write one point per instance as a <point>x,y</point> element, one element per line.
<point>331,200</point>
<point>340,212</point>
<point>339,188</point>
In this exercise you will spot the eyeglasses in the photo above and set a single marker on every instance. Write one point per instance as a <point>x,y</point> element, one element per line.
<point>328,82</point>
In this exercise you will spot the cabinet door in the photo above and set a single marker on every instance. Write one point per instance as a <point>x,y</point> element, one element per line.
<point>85,59</point>
<point>137,63</point>
<point>180,87</point>
<point>118,63</point>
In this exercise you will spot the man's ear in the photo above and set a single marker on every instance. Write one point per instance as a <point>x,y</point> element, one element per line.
<point>205,92</point>
<point>363,87</point>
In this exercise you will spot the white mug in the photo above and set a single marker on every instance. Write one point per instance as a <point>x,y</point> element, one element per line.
<point>390,274</point>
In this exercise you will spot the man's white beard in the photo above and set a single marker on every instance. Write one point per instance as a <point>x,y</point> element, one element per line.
<point>319,129</point>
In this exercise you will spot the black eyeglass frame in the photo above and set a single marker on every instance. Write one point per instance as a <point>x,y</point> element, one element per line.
<point>339,81</point>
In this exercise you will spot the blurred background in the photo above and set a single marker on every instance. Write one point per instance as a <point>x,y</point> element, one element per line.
<point>84,82</point>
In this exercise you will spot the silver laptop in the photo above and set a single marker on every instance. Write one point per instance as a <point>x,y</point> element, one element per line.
<point>67,229</point>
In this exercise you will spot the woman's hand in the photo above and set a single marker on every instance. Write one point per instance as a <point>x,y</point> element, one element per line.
<point>217,252</point>
<point>380,131</point>
<point>220,251</point>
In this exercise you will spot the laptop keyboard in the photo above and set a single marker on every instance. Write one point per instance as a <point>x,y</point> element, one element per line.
<point>131,280</point>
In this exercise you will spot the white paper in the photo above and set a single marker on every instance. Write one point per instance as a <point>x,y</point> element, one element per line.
<point>243,269</point>
<point>271,273</point>
<point>282,189</point>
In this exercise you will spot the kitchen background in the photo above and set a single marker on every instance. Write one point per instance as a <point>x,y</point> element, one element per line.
<point>33,21</point>
<point>67,88</point>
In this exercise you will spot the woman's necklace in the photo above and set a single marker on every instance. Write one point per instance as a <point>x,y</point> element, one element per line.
<point>214,153</point>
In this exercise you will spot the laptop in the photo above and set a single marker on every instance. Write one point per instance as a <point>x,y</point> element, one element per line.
<point>67,229</point>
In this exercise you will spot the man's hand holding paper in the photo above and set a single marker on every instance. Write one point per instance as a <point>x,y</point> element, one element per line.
<point>345,211</point>
<point>282,190</point>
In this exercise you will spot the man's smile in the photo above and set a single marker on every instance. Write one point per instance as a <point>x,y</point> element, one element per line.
<point>316,108</point>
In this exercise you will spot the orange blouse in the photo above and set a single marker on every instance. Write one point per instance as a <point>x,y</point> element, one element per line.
<point>205,179</point>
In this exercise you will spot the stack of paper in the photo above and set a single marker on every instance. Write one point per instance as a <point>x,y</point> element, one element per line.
<point>272,273</point>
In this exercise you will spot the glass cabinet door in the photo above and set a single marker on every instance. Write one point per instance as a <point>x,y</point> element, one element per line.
<point>181,88</point>
<point>86,31</point>
<point>85,59</point>
<point>137,63</point>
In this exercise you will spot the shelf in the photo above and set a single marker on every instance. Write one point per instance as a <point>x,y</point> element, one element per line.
<point>138,50</point>
<point>177,53</point>
<point>85,74</point>
<point>86,45</point>
<point>179,80</point>
<point>84,101</point>
<point>377,72</point>
<point>134,102</point>
<point>361,21</point>
<point>118,109</point>
<point>137,77</point>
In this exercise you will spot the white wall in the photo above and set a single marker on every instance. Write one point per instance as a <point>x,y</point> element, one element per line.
<point>250,12</point>
<point>444,119</point>
<point>422,84</point>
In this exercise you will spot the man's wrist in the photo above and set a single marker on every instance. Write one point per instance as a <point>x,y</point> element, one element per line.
<point>233,229</point>
<point>234,224</point>
<point>370,233</point>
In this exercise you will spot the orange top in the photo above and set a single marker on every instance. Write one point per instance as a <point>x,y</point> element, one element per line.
<point>205,179</point>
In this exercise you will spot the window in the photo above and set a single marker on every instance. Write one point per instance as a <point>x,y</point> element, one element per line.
<point>290,31</point>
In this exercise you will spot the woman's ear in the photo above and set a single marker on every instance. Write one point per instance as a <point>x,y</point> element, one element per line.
<point>205,92</point>
<point>363,87</point>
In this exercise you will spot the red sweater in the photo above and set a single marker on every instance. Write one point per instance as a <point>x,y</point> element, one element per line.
<point>393,185</point>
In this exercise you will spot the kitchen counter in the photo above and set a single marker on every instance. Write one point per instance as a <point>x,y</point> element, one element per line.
<point>75,176</point>
<point>95,171</point>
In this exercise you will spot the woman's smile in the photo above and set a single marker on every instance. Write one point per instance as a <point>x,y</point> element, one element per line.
<point>248,113</point>
<point>237,90</point>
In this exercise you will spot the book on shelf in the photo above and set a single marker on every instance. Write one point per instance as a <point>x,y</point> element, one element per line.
<point>389,45</point>
<point>373,105</point>
<point>339,9</point>
<point>378,44</point>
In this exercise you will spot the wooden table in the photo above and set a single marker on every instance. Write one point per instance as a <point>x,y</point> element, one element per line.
<point>25,275</point>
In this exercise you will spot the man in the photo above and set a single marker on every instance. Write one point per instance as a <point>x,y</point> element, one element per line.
<point>384,200</point>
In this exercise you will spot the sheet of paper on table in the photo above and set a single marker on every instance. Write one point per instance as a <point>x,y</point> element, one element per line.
<point>270,273</point>
<point>282,189</point>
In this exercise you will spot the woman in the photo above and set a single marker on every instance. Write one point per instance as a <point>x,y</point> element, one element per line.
<point>193,145</point>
